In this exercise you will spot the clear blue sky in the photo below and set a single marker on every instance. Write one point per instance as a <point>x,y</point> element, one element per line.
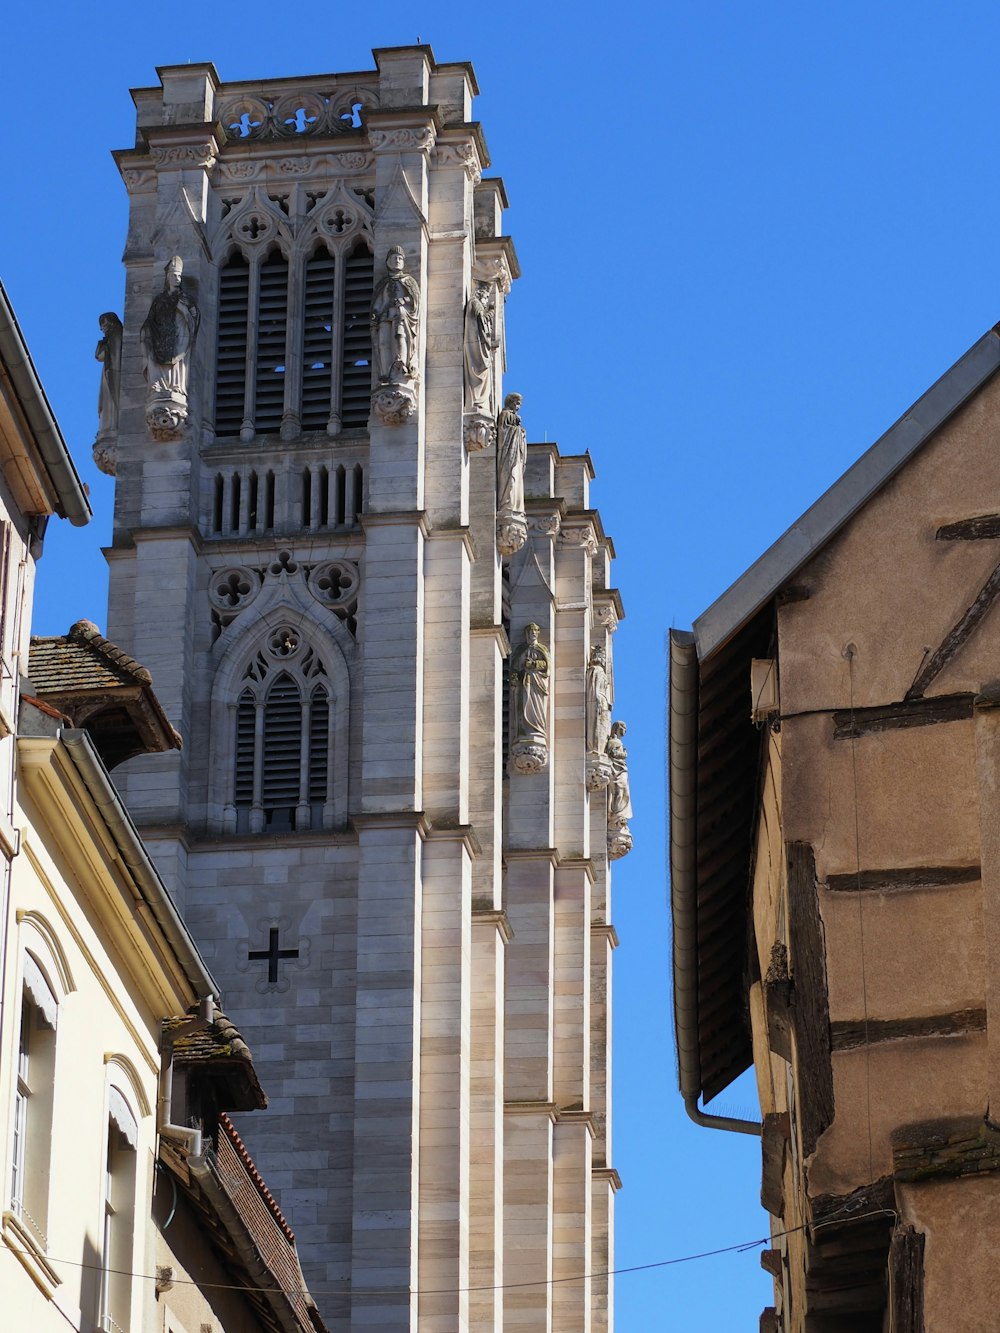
<point>751,236</point>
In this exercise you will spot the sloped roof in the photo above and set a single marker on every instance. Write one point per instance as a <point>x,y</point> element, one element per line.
<point>82,659</point>
<point>220,1050</point>
<point>103,689</point>
<point>823,520</point>
<point>714,747</point>
<point>36,437</point>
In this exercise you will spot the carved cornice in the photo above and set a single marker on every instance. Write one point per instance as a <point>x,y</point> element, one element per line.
<point>392,819</point>
<point>605,930</point>
<point>498,256</point>
<point>550,854</point>
<point>495,632</point>
<point>462,534</point>
<point>495,917</point>
<point>584,1118</point>
<point>608,609</point>
<point>402,138</point>
<point>609,1174</point>
<point>464,833</point>
<point>584,863</point>
<point>183,146</point>
<point>397,518</point>
<point>579,530</point>
<point>462,153</point>
<point>549,1109</point>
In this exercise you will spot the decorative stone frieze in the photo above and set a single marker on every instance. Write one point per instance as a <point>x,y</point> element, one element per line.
<point>403,138</point>
<point>462,154</point>
<point>185,155</point>
<point>544,525</point>
<point>287,115</point>
<point>578,530</point>
<point>233,588</point>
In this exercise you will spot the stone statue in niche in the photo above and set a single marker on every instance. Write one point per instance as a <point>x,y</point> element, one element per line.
<point>512,455</point>
<point>167,338</point>
<point>481,344</point>
<point>530,669</point>
<point>619,797</point>
<point>109,353</point>
<point>395,320</point>
<point>598,720</point>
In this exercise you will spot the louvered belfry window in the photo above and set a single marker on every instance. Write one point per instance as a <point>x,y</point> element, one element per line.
<point>283,771</point>
<point>294,343</point>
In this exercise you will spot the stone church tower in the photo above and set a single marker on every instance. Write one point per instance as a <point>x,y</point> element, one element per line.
<point>383,625</point>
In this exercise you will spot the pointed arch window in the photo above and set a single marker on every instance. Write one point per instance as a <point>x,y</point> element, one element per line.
<point>283,772</point>
<point>293,350</point>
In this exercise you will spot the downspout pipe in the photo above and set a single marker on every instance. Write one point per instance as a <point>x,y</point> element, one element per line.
<point>683,759</point>
<point>186,1134</point>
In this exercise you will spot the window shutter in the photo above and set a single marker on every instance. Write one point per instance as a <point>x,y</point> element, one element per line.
<point>317,342</point>
<point>231,354</point>
<point>356,367</point>
<point>245,720</point>
<point>269,397</point>
<point>282,745</point>
<point>319,718</point>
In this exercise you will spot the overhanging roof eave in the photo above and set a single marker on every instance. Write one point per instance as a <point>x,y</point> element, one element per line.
<point>846,496</point>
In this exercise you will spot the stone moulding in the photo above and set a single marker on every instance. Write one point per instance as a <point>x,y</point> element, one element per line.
<point>512,533</point>
<point>598,772</point>
<point>478,431</point>
<point>619,842</point>
<point>529,756</point>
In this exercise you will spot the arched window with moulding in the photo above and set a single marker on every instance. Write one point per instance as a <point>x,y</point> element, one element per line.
<point>45,980</point>
<point>293,338</point>
<point>280,726</point>
<point>118,1260</point>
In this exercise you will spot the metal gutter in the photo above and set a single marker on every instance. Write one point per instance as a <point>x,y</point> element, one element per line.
<point>683,759</point>
<point>95,778</point>
<point>847,495</point>
<point>15,361</point>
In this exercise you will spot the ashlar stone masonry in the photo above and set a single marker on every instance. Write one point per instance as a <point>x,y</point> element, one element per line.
<point>413,931</point>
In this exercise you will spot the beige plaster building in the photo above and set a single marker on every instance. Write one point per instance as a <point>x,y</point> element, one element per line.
<point>93,958</point>
<point>835,751</point>
<point>382,623</point>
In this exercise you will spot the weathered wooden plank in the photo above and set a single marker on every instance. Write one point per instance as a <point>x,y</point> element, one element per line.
<point>904,877</point>
<point>848,724</point>
<point>773,1146</point>
<point>956,636</point>
<point>778,1003</point>
<point>811,1010</point>
<point>906,1269</point>
<point>980,528</point>
<point>847,1034</point>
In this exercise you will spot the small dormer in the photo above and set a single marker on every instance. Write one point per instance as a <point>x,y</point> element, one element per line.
<point>96,686</point>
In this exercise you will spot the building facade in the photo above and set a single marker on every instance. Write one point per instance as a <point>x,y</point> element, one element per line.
<point>382,623</point>
<point>93,959</point>
<point>834,861</point>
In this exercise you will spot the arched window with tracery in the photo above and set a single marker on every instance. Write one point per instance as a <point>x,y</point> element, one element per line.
<point>284,742</point>
<point>293,347</point>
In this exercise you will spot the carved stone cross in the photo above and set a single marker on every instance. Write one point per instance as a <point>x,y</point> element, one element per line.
<point>273,955</point>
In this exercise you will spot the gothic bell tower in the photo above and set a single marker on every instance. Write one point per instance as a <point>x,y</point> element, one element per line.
<point>382,622</point>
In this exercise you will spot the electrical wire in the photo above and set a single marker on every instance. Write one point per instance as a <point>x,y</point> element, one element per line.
<point>842,1215</point>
